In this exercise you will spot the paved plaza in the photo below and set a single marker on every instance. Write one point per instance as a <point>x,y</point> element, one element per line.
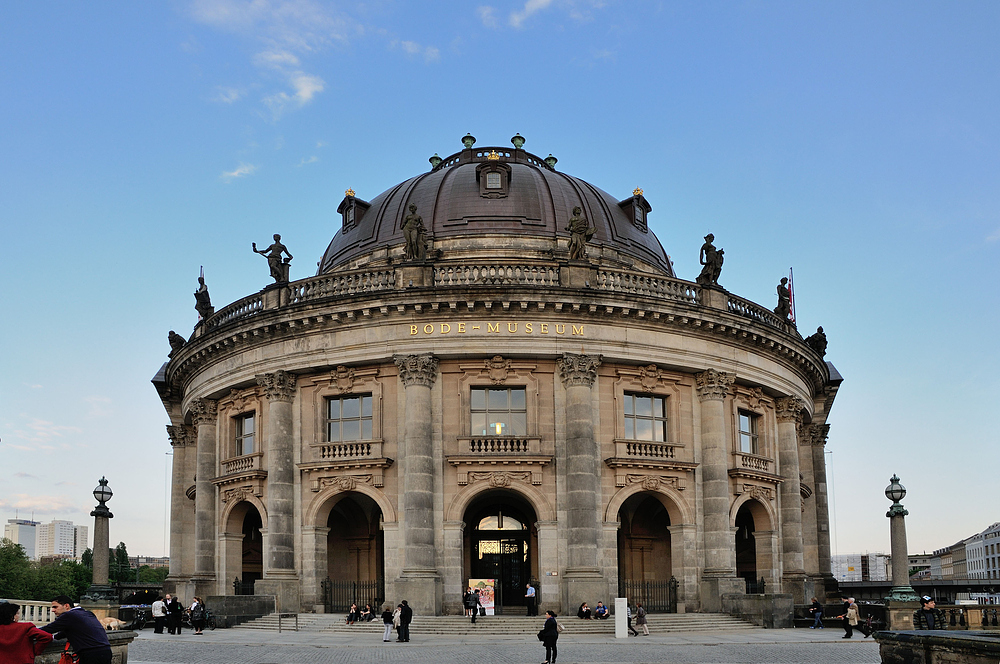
<point>241,646</point>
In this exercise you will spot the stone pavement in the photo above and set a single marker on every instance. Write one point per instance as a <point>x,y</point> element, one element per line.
<point>239,646</point>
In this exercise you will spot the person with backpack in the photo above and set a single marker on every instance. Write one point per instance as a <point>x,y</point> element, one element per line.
<point>198,615</point>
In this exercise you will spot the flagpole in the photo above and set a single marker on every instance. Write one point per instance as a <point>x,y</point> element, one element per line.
<point>791,293</point>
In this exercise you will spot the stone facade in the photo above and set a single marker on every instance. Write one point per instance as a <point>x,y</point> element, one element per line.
<point>649,427</point>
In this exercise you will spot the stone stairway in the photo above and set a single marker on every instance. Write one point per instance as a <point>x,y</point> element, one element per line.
<point>660,623</point>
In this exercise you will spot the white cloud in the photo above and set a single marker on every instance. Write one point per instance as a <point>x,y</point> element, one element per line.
<point>42,434</point>
<point>994,236</point>
<point>40,503</point>
<point>228,95</point>
<point>241,171</point>
<point>276,59</point>
<point>488,16</point>
<point>23,475</point>
<point>306,87</point>
<point>531,7</point>
<point>413,49</point>
<point>311,160</point>
<point>99,406</point>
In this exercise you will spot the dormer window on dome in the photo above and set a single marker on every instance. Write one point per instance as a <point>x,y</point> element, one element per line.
<point>493,176</point>
<point>352,209</point>
<point>637,207</point>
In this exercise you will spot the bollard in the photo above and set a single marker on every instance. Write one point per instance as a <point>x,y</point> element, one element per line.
<point>621,618</point>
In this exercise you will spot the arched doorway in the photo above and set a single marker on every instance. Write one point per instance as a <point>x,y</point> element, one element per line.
<point>241,548</point>
<point>746,545</point>
<point>645,561</point>
<point>253,549</point>
<point>355,565</point>
<point>501,543</point>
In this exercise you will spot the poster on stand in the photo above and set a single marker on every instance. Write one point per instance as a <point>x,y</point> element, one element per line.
<point>485,588</point>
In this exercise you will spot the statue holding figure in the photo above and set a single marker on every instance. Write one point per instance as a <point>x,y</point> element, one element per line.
<point>711,258</point>
<point>415,234</point>
<point>279,268</point>
<point>202,300</point>
<point>580,233</point>
<point>784,308</point>
<point>817,341</point>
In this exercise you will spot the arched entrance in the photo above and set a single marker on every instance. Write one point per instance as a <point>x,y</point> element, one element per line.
<point>501,543</point>
<point>253,548</point>
<point>242,548</point>
<point>755,546</point>
<point>355,567</point>
<point>645,557</point>
<point>746,545</point>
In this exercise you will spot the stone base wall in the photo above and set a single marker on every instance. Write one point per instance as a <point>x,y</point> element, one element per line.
<point>232,610</point>
<point>119,648</point>
<point>938,647</point>
<point>771,610</point>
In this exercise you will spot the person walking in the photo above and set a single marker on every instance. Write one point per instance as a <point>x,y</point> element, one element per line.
<point>405,618</point>
<point>174,611</point>
<point>20,642</point>
<point>851,615</point>
<point>82,629</point>
<point>548,635</point>
<point>198,616</point>
<point>529,600</point>
<point>640,618</point>
<point>387,622</point>
<point>628,616</point>
<point>816,609</point>
<point>475,603</point>
<point>159,610</point>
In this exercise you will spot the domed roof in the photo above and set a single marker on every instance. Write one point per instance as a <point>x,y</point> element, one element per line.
<point>491,200</point>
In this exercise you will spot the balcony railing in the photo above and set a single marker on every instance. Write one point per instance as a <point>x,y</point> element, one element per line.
<point>343,283</point>
<point>494,274</point>
<point>354,450</point>
<point>755,312</point>
<point>643,449</point>
<point>245,308</point>
<point>749,461</point>
<point>636,283</point>
<point>242,464</point>
<point>499,445</point>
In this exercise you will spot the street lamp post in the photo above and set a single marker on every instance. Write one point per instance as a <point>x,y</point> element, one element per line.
<point>901,589</point>
<point>99,588</point>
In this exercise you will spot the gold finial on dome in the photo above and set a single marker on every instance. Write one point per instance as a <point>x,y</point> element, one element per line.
<point>493,156</point>
<point>637,191</point>
<point>349,192</point>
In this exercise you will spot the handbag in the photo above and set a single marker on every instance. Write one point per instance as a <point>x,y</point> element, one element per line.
<point>69,657</point>
<point>482,610</point>
<point>559,626</point>
<point>541,635</point>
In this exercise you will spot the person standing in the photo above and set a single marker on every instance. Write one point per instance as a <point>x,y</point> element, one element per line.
<point>405,618</point>
<point>174,611</point>
<point>387,622</point>
<point>198,615</point>
<point>82,629</point>
<point>20,642</point>
<point>396,622</point>
<point>529,599</point>
<point>475,603</point>
<point>928,616</point>
<point>159,610</point>
<point>548,636</point>
<point>816,609</point>
<point>640,618</point>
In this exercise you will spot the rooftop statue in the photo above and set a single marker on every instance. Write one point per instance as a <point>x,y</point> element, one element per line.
<point>711,258</point>
<point>784,307</point>
<point>415,234</point>
<point>202,300</point>
<point>580,233</point>
<point>176,342</point>
<point>817,341</point>
<point>279,268</point>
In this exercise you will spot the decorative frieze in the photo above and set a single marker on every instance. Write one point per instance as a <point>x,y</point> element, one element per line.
<point>417,369</point>
<point>578,369</point>
<point>713,385</point>
<point>501,478</point>
<point>762,493</point>
<point>652,482</point>
<point>498,368</point>
<point>239,400</point>
<point>476,468</point>
<point>753,398</point>
<point>789,409</point>
<point>278,386</point>
<point>236,494</point>
<point>346,482</point>
<point>203,411</point>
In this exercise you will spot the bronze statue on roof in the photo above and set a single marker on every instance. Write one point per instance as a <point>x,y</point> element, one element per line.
<point>711,258</point>
<point>279,268</point>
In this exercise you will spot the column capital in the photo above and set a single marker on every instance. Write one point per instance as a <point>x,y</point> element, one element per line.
<point>180,436</point>
<point>713,385</point>
<point>789,409</point>
<point>278,386</point>
<point>203,411</point>
<point>417,369</point>
<point>819,434</point>
<point>578,369</point>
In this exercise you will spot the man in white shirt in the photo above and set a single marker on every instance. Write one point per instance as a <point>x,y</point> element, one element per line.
<point>159,615</point>
<point>529,599</point>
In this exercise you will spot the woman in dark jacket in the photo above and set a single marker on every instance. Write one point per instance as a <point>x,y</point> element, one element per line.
<point>549,635</point>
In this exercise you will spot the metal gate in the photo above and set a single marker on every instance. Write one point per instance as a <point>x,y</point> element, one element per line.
<point>655,596</point>
<point>339,595</point>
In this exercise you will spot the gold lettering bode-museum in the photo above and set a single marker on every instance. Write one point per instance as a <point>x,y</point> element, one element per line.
<point>496,373</point>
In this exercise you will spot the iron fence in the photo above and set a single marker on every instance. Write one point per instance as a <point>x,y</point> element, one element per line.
<point>655,596</point>
<point>339,595</point>
<point>243,587</point>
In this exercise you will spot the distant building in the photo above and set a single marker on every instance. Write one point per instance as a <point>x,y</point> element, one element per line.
<point>983,552</point>
<point>861,567</point>
<point>62,539</point>
<point>23,532</point>
<point>150,561</point>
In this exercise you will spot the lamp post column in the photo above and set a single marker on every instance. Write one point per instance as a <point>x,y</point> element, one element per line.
<point>902,599</point>
<point>789,414</point>
<point>203,414</point>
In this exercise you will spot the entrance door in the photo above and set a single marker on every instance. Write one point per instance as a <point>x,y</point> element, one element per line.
<point>746,546</point>
<point>500,542</point>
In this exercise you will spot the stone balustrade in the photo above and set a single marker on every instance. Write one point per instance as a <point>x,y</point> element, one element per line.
<point>242,464</point>
<point>747,309</point>
<point>353,450</point>
<point>754,462</point>
<point>496,274</point>
<point>39,613</point>
<point>499,445</point>
<point>343,283</point>
<point>245,308</point>
<point>637,283</point>
<point>643,449</point>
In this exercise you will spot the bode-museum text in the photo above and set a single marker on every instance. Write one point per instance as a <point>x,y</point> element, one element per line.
<point>498,328</point>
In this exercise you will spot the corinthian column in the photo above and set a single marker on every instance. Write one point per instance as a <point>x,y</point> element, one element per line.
<point>180,565</point>
<point>279,388</point>
<point>420,581</point>
<point>789,414</point>
<point>719,575</point>
<point>583,522</point>
<point>819,436</point>
<point>203,415</point>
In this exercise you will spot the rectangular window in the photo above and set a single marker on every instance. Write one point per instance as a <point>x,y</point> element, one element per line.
<point>499,411</point>
<point>349,418</point>
<point>645,417</point>
<point>245,431</point>
<point>493,180</point>
<point>748,432</point>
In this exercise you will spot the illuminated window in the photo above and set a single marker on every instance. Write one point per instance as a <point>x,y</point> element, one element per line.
<point>500,522</point>
<point>645,417</point>
<point>349,418</point>
<point>499,411</point>
<point>245,431</point>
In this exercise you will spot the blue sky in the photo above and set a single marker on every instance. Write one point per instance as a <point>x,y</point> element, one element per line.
<point>856,142</point>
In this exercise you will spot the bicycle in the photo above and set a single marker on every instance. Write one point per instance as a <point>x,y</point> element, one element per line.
<point>139,620</point>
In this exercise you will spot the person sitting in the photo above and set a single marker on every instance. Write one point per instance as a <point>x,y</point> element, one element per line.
<point>601,611</point>
<point>366,613</point>
<point>584,612</point>
<point>353,614</point>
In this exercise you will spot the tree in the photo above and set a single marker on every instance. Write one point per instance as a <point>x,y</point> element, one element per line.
<point>15,571</point>
<point>121,568</point>
<point>51,580</point>
<point>87,559</point>
<point>149,574</point>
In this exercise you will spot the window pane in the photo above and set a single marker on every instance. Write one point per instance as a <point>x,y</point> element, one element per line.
<point>660,431</point>
<point>498,399</point>
<point>333,431</point>
<point>248,445</point>
<point>744,422</point>
<point>644,430</point>
<point>658,407</point>
<point>744,443</point>
<point>352,407</point>
<point>479,424</point>
<point>366,406</point>
<point>492,180</point>
<point>629,409</point>
<point>351,430</point>
<point>629,428</point>
<point>488,523</point>
<point>366,429</point>
<point>644,406</point>
<point>334,410</point>
<point>517,398</point>
<point>248,424</point>
<point>478,399</point>
<point>518,424</point>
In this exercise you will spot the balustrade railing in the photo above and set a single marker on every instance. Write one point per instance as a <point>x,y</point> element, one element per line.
<point>643,449</point>
<point>755,312</point>
<point>754,462</point>
<point>343,283</point>
<point>496,274</point>
<point>245,308</point>
<point>242,464</point>
<point>39,613</point>
<point>500,445</point>
<point>620,281</point>
<point>353,450</point>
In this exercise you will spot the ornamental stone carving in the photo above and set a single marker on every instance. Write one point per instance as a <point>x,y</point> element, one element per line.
<point>758,492</point>
<point>417,369</point>
<point>278,386</point>
<point>239,398</point>
<point>649,376</point>
<point>345,482</point>
<point>789,409</point>
<point>578,369</point>
<point>753,398</point>
<point>654,482</point>
<point>345,378</point>
<point>713,385</point>
<point>819,434</point>
<point>499,479</point>
<point>180,436</point>
<point>498,369</point>
<point>237,494</point>
<point>203,411</point>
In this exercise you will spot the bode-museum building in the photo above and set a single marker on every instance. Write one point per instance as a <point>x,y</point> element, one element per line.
<point>496,374</point>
